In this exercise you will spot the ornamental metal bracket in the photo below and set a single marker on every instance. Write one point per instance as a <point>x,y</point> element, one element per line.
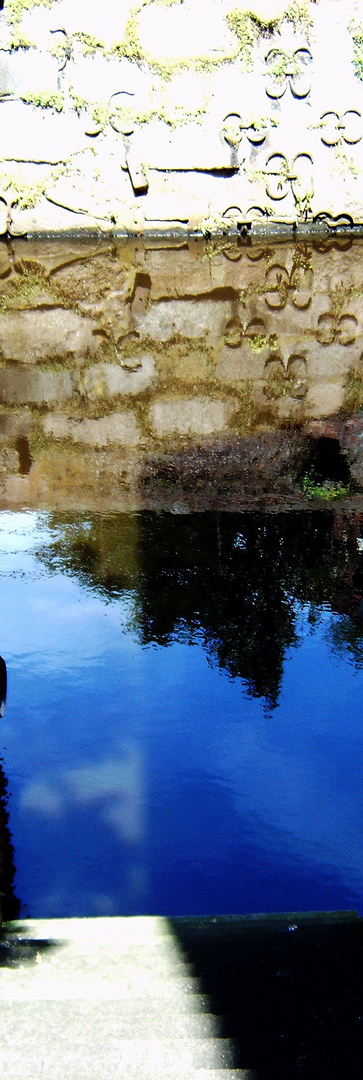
<point>287,69</point>
<point>283,177</point>
<point>233,131</point>
<point>118,115</point>
<point>341,127</point>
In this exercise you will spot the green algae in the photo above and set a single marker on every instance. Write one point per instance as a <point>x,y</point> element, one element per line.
<point>329,491</point>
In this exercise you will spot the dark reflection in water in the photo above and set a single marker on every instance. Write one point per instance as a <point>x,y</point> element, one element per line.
<point>25,458</point>
<point>233,578</point>
<point>9,904</point>
<point>183,733</point>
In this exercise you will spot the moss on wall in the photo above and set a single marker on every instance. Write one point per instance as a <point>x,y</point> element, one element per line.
<point>15,9</point>
<point>353,397</point>
<point>44,100</point>
<point>357,35</point>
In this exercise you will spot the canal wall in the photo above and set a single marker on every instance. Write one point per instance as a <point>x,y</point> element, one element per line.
<point>142,371</point>
<point>180,115</point>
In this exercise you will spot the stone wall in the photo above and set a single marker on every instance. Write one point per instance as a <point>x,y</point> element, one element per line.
<point>164,115</point>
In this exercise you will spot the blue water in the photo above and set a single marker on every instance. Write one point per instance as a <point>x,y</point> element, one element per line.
<point>147,777</point>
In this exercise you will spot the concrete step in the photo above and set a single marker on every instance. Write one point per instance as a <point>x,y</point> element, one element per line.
<point>151,1023</point>
<point>91,959</point>
<point>101,932</point>
<point>104,998</point>
<point>223,1074</point>
<point>177,992</point>
<point>81,1054</point>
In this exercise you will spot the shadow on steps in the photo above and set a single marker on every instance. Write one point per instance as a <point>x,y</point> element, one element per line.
<point>288,990</point>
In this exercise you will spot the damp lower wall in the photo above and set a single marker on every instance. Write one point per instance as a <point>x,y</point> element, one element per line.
<point>168,115</point>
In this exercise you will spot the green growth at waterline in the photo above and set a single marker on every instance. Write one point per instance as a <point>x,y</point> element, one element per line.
<point>328,490</point>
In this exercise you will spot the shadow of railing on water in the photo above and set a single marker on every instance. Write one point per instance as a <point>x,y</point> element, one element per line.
<point>17,950</point>
<point>9,903</point>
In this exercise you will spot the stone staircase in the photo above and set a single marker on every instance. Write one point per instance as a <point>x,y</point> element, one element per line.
<point>254,998</point>
<point>105,998</point>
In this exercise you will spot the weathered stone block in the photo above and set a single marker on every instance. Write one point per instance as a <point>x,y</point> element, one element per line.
<point>109,380</point>
<point>190,416</point>
<point>83,194</point>
<point>193,319</point>
<point>191,91</point>
<point>172,206</point>
<point>34,335</point>
<point>185,30</point>
<point>189,147</point>
<point>39,135</point>
<point>19,385</point>
<point>191,366</point>
<point>177,273</point>
<point>104,22</point>
<point>31,71</point>
<point>47,217</point>
<point>238,365</point>
<point>324,399</point>
<point>120,428</point>
<point>113,83</point>
<point>35,23</point>
<point>94,77</point>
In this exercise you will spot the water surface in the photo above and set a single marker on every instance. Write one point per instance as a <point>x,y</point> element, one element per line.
<point>183,731</point>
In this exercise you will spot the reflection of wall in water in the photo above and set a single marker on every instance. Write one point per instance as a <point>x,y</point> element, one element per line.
<point>133,349</point>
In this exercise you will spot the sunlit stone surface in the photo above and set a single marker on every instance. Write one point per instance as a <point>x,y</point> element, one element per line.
<point>161,115</point>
